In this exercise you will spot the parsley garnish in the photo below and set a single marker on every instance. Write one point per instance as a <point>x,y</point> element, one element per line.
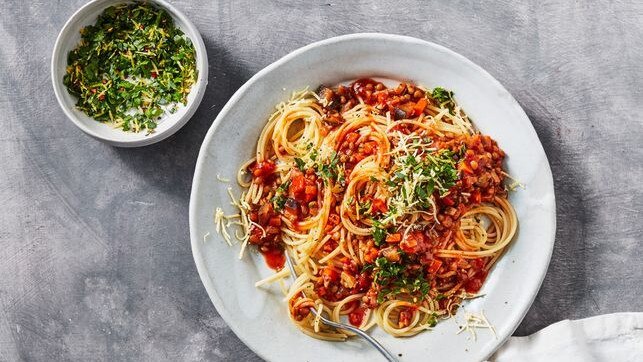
<point>279,200</point>
<point>379,233</point>
<point>462,151</point>
<point>130,66</point>
<point>394,278</point>
<point>433,320</point>
<point>300,164</point>
<point>417,179</point>
<point>443,97</point>
<point>364,207</point>
<point>367,267</point>
<point>442,170</point>
<point>331,169</point>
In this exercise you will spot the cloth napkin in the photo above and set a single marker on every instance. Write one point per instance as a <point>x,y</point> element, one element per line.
<point>608,337</point>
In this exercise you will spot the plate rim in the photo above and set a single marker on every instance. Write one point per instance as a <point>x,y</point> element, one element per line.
<point>195,240</point>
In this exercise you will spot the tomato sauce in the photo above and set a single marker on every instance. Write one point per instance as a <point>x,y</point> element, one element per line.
<point>275,258</point>
<point>478,160</point>
<point>356,317</point>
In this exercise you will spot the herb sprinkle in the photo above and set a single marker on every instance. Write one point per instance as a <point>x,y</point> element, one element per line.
<point>131,67</point>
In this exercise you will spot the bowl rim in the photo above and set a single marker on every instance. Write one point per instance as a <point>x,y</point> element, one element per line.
<point>116,139</point>
<point>199,259</point>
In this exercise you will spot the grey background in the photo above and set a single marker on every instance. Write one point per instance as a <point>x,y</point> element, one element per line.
<point>95,260</point>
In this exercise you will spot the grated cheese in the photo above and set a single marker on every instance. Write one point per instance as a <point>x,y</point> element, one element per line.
<point>515,184</point>
<point>278,276</point>
<point>475,321</point>
<point>241,220</point>
<point>403,200</point>
<point>222,224</point>
<point>222,179</point>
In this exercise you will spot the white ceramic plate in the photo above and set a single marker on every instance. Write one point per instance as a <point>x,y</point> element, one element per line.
<point>259,316</point>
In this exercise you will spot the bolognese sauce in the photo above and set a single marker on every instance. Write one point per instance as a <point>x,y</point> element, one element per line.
<point>388,199</point>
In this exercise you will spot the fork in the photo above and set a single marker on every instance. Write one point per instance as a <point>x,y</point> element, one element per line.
<point>389,357</point>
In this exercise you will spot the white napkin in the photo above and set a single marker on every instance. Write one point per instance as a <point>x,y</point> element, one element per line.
<point>609,337</point>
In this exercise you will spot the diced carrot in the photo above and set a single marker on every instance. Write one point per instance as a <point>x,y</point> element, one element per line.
<point>476,197</point>
<point>369,147</point>
<point>311,190</point>
<point>297,185</point>
<point>435,265</point>
<point>311,193</point>
<point>410,242</point>
<point>393,238</point>
<point>352,137</point>
<point>275,221</point>
<point>379,205</point>
<point>447,200</point>
<point>371,255</point>
<point>419,107</point>
<point>263,168</point>
<point>330,274</point>
<point>464,167</point>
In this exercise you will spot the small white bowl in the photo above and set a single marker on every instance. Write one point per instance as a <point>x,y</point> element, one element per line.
<point>169,123</point>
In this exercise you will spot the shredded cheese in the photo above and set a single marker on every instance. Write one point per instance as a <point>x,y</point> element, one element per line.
<point>515,184</point>
<point>222,224</point>
<point>222,179</point>
<point>404,200</point>
<point>474,321</point>
<point>241,219</point>
<point>278,276</point>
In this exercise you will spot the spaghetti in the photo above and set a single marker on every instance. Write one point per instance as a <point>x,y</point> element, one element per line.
<point>389,201</point>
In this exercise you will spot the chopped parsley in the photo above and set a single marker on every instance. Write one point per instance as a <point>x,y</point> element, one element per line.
<point>364,208</point>
<point>433,320</point>
<point>330,169</point>
<point>326,166</point>
<point>394,278</point>
<point>379,233</point>
<point>279,200</point>
<point>442,171</point>
<point>300,164</point>
<point>313,154</point>
<point>131,66</point>
<point>443,97</point>
<point>368,267</point>
<point>417,179</point>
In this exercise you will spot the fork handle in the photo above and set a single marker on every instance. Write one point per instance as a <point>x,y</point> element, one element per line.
<point>389,357</point>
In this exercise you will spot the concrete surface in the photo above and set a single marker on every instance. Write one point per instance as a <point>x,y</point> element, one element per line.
<point>95,261</point>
